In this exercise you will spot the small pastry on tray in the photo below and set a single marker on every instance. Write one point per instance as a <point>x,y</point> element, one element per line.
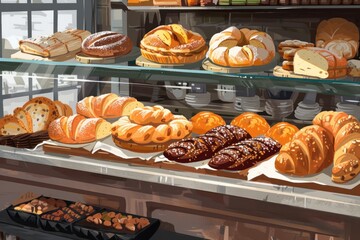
<point>252,123</point>
<point>205,121</point>
<point>149,129</point>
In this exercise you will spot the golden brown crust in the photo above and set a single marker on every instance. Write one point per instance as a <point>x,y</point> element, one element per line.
<point>173,59</point>
<point>204,121</point>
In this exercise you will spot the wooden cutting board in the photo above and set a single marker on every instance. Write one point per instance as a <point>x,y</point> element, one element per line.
<point>210,66</point>
<point>131,56</point>
<point>27,56</point>
<point>143,62</point>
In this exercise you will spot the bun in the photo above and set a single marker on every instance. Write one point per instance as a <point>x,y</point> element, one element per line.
<point>59,43</point>
<point>173,44</point>
<point>239,48</point>
<point>205,121</point>
<point>78,129</point>
<point>309,152</point>
<point>338,35</point>
<point>252,123</point>
<point>206,145</point>
<point>107,105</point>
<point>107,44</point>
<point>321,63</point>
<point>345,129</point>
<point>244,154</point>
<point>149,129</point>
<point>282,132</point>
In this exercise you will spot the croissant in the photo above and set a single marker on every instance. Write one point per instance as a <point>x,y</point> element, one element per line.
<point>205,146</point>
<point>345,129</point>
<point>309,152</point>
<point>107,105</point>
<point>78,129</point>
<point>245,154</point>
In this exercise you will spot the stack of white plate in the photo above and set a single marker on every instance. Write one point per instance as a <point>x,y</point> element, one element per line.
<point>198,99</point>
<point>226,93</point>
<point>237,104</point>
<point>307,110</point>
<point>349,109</point>
<point>252,104</point>
<point>279,108</point>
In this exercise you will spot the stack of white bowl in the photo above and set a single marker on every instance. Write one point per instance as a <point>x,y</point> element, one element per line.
<point>253,104</point>
<point>349,108</point>
<point>279,108</point>
<point>198,99</point>
<point>307,110</point>
<point>226,93</point>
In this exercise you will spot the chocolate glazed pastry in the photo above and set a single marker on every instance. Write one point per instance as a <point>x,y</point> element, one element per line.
<point>205,146</point>
<point>245,154</point>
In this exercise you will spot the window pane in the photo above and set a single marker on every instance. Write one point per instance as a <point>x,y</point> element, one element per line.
<point>11,103</point>
<point>48,95</point>
<point>42,81</point>
<point>66,1</point>
<point>41,1</point>
<point>13,1</point>
<point>42,23</point>
<point>69,97</point>
<point>67,19</point>
<point>14,82</point>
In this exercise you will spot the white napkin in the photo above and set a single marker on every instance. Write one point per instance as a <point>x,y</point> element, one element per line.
<point>267,168</point>
<point>196,165</point>
<point>86,146</point>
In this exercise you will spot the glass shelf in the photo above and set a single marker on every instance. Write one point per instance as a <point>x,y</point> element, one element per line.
<point>344,87</point>
<point>240,8</point>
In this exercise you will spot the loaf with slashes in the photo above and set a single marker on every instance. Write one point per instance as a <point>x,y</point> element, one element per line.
<point>107,105</point>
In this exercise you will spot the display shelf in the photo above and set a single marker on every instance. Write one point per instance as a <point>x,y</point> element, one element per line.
<point>346,86</point>
<point>240,8</point>
<point>8,226</point>
<point>296,196</point>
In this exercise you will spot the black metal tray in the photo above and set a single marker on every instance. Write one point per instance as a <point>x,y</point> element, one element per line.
<point>62,225</point>
<point>96,232</point>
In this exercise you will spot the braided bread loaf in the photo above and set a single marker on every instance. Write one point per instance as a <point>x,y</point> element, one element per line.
<point>149,129</point>
<point>206,145</point>
<point>107,105</point>
<point>309,152</point>
<point>345,129</point>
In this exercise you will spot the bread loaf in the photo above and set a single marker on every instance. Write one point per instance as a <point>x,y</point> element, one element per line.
<point>346,131</point>
<point>244,154</point>
<point>309,152</point>
<point>338,35</point>
<point>240,48</point>
<point>78,129</point>
<point>107,106</point>
<point>206,145</point>
<point>106,44</point>
<point>317,62</point>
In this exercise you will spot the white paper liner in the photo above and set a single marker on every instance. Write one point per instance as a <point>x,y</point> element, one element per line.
<point>86,146</point>
<point>267,168</point>
<point>109,146</point>
<point>196,165</point>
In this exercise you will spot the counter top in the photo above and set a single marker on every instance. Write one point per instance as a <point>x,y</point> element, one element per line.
<point>337,203</point>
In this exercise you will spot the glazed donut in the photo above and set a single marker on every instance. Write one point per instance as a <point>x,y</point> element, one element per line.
<point>106,44</point>
<point>156,114</point>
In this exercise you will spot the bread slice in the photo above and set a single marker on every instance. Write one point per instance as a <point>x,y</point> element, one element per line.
<point>219,56</point>
<point>10,125</point>
<point>237,58</point>
<point>311,63</point>
<point>91,129</point>
<point>60,107</point>
<point>68,110</point>
<point>24,117</point>
<point>42,111</point>
<point>130,105</point>
<point>103,129</point>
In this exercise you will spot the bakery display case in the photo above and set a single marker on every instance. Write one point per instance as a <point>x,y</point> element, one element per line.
<point>179,120</point>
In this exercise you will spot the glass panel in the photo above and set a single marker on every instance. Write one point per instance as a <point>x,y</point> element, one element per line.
<point>117,21</point>
<point>67,81</point>
<point>66,1</point>
<point>11,103</point>
<point>42,23</point>
<point>69,97</point>
<point>48,95</point>
<point>67,19</point>
<point>41,1</point>
<point>13,82</point>
<point>13,1</point>
<point>14,28</point>
<point>42,81</point>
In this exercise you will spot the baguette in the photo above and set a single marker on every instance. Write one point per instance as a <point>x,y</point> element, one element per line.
<point>78,129</point>
<point>107,106</point>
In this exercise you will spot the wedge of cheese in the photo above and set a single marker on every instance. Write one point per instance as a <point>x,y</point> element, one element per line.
<point>320,63</point>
